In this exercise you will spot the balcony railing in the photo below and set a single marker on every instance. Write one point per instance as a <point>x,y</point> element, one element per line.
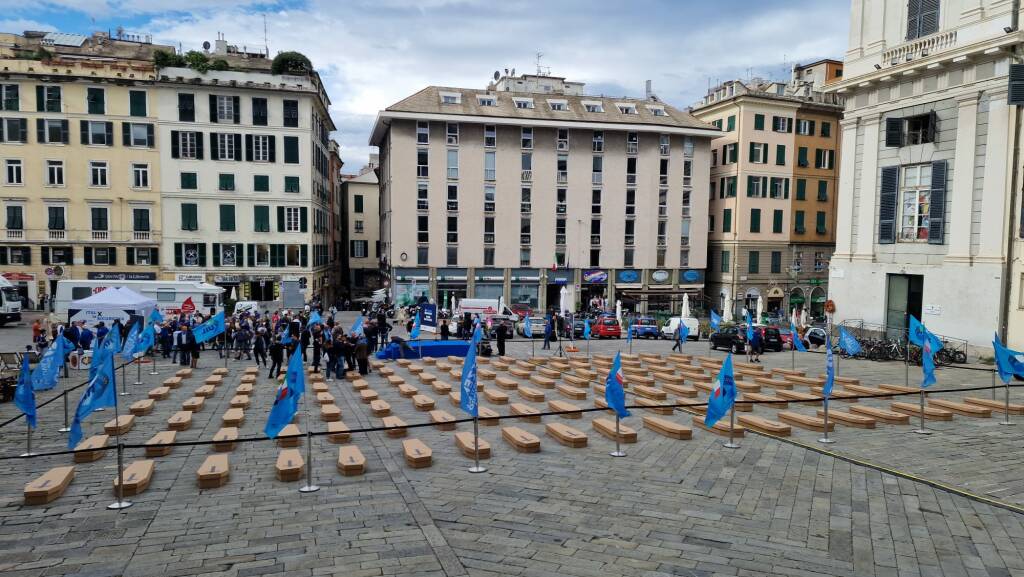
<point>101,235</point>
<point>17,234</point>
<point>58,234</point>
<point>140,235</point>
<point>663,179</point>
<point>526,175</point>
<point>919,48</point>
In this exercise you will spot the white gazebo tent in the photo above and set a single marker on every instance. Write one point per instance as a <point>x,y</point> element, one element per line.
<point>110,305</point>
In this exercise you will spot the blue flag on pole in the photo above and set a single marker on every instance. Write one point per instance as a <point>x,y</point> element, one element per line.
<point>614,394</point>
<point>848,343</point>
<point>750,326</point>
<point>45,375</point>
<point>357,326</point>
<point>930,344</point>
<point>415,334</point>
<point>716,320</point>
<point>467,396</point>
<point>314,319</point>
<point>286,337</point>
<point>286,403</point>
<point>130,341</point>
<point>684,332</point>
<point>108,348</point>
<point>1007,361</point>
<point>155,316</point>
<point>527,329</point>
<point>146,340</point>
<point>101,392</point>
<point>722,395</point>
<point>830,369</point>
<point>24,396</point>
<point>586,329</point>
<point>798,343</point>
<point>211,328</point>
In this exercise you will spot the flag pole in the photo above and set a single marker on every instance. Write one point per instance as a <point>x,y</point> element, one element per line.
<point>120,503</point>
<point>66,428</point>
<point>994,385</point>
<point>921,430</point>
<point>28,440</point>
<point>138,370</point>
<point>825,439</point>
<point>618,447</point>
<point>732,426</point>
<point>476,468</point>
<point>309,487</point>
<point>124,381</point>
<point>152,369</point>
<point>1006,408</point>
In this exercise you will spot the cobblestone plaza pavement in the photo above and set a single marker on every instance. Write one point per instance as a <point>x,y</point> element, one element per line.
<point>671,507</point>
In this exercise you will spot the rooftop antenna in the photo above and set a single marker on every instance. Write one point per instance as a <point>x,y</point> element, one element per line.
<point>266,45</point>
<point>542,70</point>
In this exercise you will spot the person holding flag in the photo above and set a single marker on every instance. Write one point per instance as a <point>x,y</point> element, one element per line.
<point>314,319</point>
<point>721,399</point>
<point>615,396</point>
<point>25,400</point>
<point>682,333</point>
<point>753,339</point>
<point>716,320</point>
<point>468,394</point>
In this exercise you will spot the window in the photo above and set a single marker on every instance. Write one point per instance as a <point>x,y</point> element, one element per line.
<point>486,101</point>
<point>561,195</point>
<point>777,221</point>
<point>227,218</point>
<point>525,227</point>
<point>824,159</point>
<point>526,166</point>
<point>488,198</point>
<point>627,257</point>
<point>729,153</point>
<point>259,111</point>
<point>782,124</point>
<point>193,254</point>
<point>291,113</point>
<point>140,175</point>
<point>727,220</point>
<point>452,133</point>
<point>805,127</point>
<point>725,261</point>
<point>595,201</point>
<point>422,132</point>
<point>13,174</point>
<point>758,153</point>
<point>922,18</point>
<point>227,146</point>
<point>359,248</point>
<point>664,144</point>
<point>291,149</point>
<point>799,224</point>
<point>490,172</point>
<point>684,257</point>
<point>186,107</point>
<point>755,220</point>
<point>357,203</point>
<point>99,218</point>
<point>632,142</point>
<point>453,164</point>
<point>598,169</point>
<point>593,107</point>
<point>524,256</point>
<point>104,255</point>
<point>259,147</point>
<point>189,216</point>
<point>756,186</point>
<point>140,135</point>
<point>224,108</point>
<point>14,130</point>
<point>915,193</point>
<point>758,122</point>
<point>489,230</point>
<point>55,172</point>
<point>562,139</point>
<point>595,257</point>
<point>95,99</point>
<point>912,130</point>
<point>560,231</point>
<point>490,135</point>
<point>140,220</point>
<point>452,232</point>
<point>822,191</point>
<point>657,110</point>
<point>55,218</point>
<point>714,157</point>
<point>826,129</point>
<point>780,155</point>
<point>451,98</point>
<point>291,219</point>
<point>626,108</point>
<point>422,197</point>
<point>48,99</point>
<point>711,223</point>
<point>421,255</point>
<point>820,262</point>
<point>15,217</point>
<point>453,197</point>
<point>226,182</point>
<point>227,254</point>
<point>598,141</point>
<point>525,204</point>
<point>422,229</point>
<point>260,183</point>
<point>189,181</point>
<point>188,144</point>
<point>526,138</point>
<point>630,201</point>
<point>562,168</point>
<point>776,262</point>
<point>261,218</point>
<point>558,105</point>
<point>730,124</point>
<point>819,223</point>
<point>523,103</point>
<point>422,170</point>
<point>94,133</point>
<point>137,102</point>
<point>262,255</point>
<point>779,188</point>
<point>9,97</point>
<point>753,262</point>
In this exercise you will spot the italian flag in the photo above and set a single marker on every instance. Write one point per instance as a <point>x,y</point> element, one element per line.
<point>554,262</point>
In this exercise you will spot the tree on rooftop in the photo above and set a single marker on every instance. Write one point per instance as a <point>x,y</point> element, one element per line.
<point>197,61</point>
<point>164,59</point>
<point>291,63</point>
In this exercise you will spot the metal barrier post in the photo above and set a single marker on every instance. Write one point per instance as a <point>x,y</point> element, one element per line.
<point>921,430</point>
<point>66,427</point>
<point>618,452</point>
<point>152,370</point>
<point>825,439</point>
<point>124,380</point>
<point>120,503</point>
<point>28,440</point>
<point>309,487</point>
<point>1006,408</point>
<point>476,468</point>
<point>732,426</point>
<point>138,370</point>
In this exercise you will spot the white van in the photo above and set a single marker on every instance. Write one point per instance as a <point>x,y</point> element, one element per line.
<point>172,297</point>
<point>10,302</point>
<point>486,308</point>
<point>668,330</point>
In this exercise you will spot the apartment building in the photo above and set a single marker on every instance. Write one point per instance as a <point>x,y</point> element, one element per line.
<point>926,177</point>
<point>530,185</point>
<point>773,192</point>
<point>80,188</point>
<point>335,227</point>
<point>245,177</point>
<point>361,198</point>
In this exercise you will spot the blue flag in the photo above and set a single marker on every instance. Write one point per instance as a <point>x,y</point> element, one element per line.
<point>357,326</point>
<point>1007,361</point>
<point>101,392</point>
<point>24,396</point>
<point>716,320</point>
<point>629,331</point>
<point>211,328</point>
<point>527,329</point>
<point>45,375</point>
<point>415,334</point>
<point>750,326</point>
<point>130,341</point>
<point>286,403</point>
<point>798,343</point>
<point>146,341</point>
<point>722,396</point>
<point>848,343</point>
<point>684,332</point>
<point>467,396</point>
<point>108,348</point>
<point>830,369</point>
<point>930,344</point>
<point>314,319</point>
<point>586,329</point>
<point>155,316</point>
<point>286,337</point>
<point>614,394</point>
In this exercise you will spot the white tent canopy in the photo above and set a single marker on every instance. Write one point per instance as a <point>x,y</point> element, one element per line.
<point>109,305</point>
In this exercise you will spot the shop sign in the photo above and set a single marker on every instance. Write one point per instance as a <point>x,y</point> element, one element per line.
<point>227,278</point>
<point>262,278</point>
<point>595,276</point>
<point>690,276</point>
<point>796,300</point>
<point>490,279</point>
<point>190,277</point>
<point>121,276</point>
<point>627,276</point>
<point>19,276</point>
<point>660,277</point>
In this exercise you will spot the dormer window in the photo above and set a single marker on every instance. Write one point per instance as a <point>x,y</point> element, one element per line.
<point>561,105</point>
<point>523,103</point>
<point>451,98</point>
<point>626,108</point>
<point>657,110</point>
<point>593,106</point>
<point>486,101</point>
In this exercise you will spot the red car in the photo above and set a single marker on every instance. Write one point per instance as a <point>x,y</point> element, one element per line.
<point>522,310</point>
<point>606,327</point>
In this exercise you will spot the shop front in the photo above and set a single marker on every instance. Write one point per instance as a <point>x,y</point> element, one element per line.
<point>232,285</point>
<point>661,298</point>
<point>525,287</point>
<point>488,283</point>
<point>594,289</point>
<point>628,289</point>
<point>750,300</point>
<point>797,300</point>
<point>411,285</point>
<point>452,286</point>
<point>556,279</point>
<point>773,302</point>
<point>818,298</point>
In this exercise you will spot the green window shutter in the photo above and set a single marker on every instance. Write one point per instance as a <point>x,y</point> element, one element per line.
<point>291,184</point>
<point>733,152</point>
<point>937,209</point>
<point>755,220</point>
<point>261,218</point>
<point>303,219</point>
<point>40,98</point>
<point>291,149</point>
<point>777,222</point>
<point>178,260</point>
<point>818,160</point>
<point>358,203</point>
<point>801,157</point>
<point>758,122</point>
<point>753,262</point>
<point>732,124</point>
<point>711,223</point>
<point>819,223</point>
<point>823,190</point>
<point>754,157</point>
<point>261,183</point>
<point>250,255</point>
<point>304,255</point>
<point>727,220</point>
<point>785,188</point>
<point>801,189</point>
<point>826,129</point>
<point>189,216</point>
<point>216,254</point>
<point>799,226</point>
<point>725,261</point>
<point>227,217</point>
<point>202,254</point>
<point>189,181</point>
<point>780,154</point>
<point>137,102</point>
<point>750,185</point>
<point>776,262</point>
<point>280,219</point>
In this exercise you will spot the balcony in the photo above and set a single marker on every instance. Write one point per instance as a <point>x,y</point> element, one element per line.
<point>58,234</point>
<point>526,175</point>
<point>141,235</point>
<point>15,234</point>
<point>563,176</point>
<point>919,48</point>
<point>101,235</point>
<point>684,241</point>
<point>662,242</point>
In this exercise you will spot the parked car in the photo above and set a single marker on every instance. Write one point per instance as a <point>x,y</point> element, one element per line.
<point>814,337</point>
<point>646,328</point>
<point>787,337</point>
<point>536,326</point>
<point>771,339</point>
<point>668,330</point>
<point>605,327</point>
<point>577,328</point>
<point>730,338</point>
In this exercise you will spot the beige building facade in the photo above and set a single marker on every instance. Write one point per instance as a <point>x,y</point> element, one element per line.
<point>361,204</point>
<point>529,188</point>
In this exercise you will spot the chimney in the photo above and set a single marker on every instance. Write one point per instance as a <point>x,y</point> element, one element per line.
<point>647,89</point>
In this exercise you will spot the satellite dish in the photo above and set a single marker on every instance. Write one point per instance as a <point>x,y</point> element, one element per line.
<point>206,45</point>
<point>497,75</point>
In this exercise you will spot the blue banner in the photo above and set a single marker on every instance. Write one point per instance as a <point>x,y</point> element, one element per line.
<point>45,375</point>
<point>716,321</point>
<point>210,328</point>
<point>614,394</point>
<point>286,403</point>
<point>429,319</point>
<point>722,395</point>
<point>467,396</point>
<point>24,396</point>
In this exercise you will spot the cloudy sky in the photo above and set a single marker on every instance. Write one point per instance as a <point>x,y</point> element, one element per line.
<point>372,53</point>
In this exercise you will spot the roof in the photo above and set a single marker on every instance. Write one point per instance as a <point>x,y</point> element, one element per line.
<point>366,177</point>
<point>63,39</point>
<point>429,102</point>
